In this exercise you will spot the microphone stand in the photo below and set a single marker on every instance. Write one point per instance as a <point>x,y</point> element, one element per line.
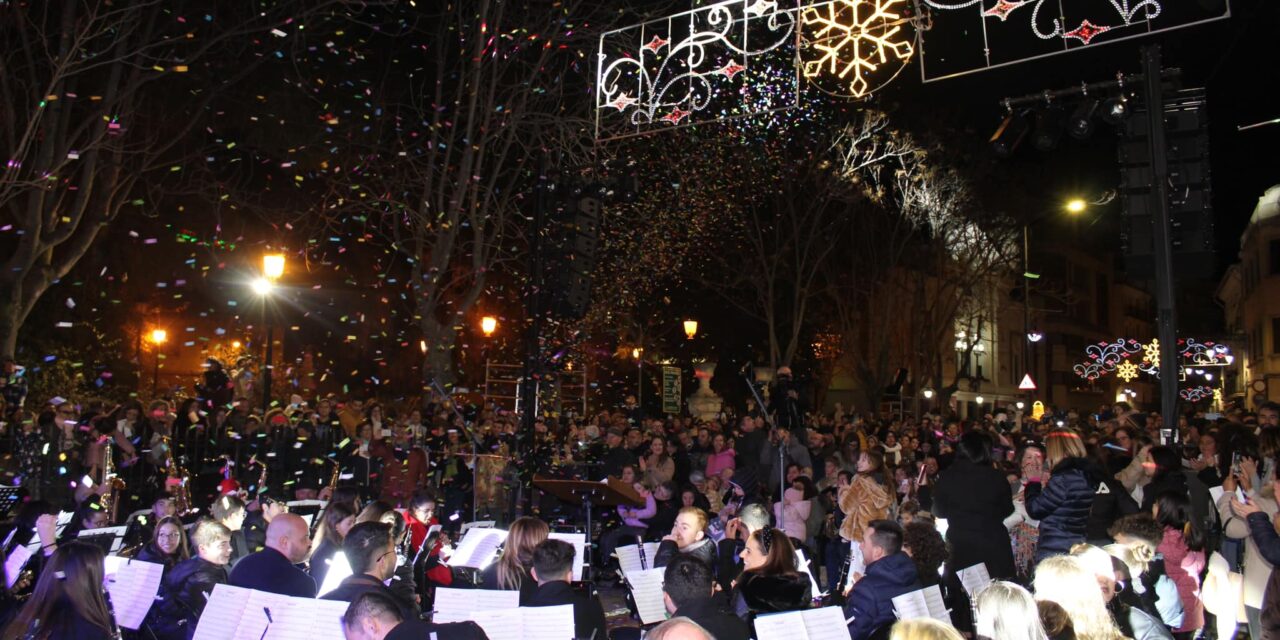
<point>475,450</point>
<point>782,451</point>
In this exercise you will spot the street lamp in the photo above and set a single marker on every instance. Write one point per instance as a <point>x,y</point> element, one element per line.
<point>979,400</point>
<point>927,393</point>
<point>1076,205</point>
<point>690,328</point>
<point>1021,405</point>
<point>488,325</point>
<point>272,270</point>
<point>158,338</point>
<point>636,353</point>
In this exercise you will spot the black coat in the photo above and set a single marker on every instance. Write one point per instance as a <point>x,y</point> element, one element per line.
<point>722,624</point>
<point>770,594</point>
<point>1062,506</point>
<point>588,614</point>
<point>415,630</point>
<point>357,585</point>
<point>1110,503</point>
<point>528,586</point>
<point>704,550</point>
<point>183,594</point>
<point>150,553</point>
<point>975,500</point>
<point>268,570</point>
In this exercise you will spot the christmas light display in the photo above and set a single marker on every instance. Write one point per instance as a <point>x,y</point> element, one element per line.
<point>853,47</point>
<point>1122,357</point>
<point>1053,23</point>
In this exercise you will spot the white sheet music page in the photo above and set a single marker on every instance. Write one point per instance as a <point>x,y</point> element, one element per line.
<point>629,557</point>
<point>309,619</point>
<point>974,579</point>
<point>17,559</point>
<point>924,603</point>
<point>646,589</point>
<point>579,542</point>
<point>548,623</point>
<point>825,623</point>
<point>221,617</point>
<point>477,547</point>
<point>781,626</point>
<point>132,585</point>
<point>457,605</point>
<point>501,625</point>
<point>339,570</point>
<point>803,565</point>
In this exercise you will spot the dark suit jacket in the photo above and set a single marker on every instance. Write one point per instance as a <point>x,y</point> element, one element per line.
<point>268,570</point>
<point>415,630</point>
<point>357,585</point>
<point>710,616</point>
<point>588,614</point>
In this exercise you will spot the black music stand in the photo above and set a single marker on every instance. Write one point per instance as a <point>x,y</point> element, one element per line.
<point>610,493</point>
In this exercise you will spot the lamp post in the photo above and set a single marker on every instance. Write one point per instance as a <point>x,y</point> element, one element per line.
<point>637,353</point>
<point>158,337</point>
<point>272,270</point>
<point>1073,206</point>
<point>690,328</point>
<point>488,325</point>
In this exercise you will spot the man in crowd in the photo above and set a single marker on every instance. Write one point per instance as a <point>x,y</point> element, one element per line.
<point>890,573</point>
<point>689,536</point>
<point>553,569</point>
<point>272,569</point>
<point>689,591</point>
<point>229,511</point>
<point>376,616</point>
<point>371,550</point>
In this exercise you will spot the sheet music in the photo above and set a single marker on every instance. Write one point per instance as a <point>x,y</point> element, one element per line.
<point>17,559</point>
<point>803,565</point>
<point>339,570</point>
<point>825,623</point>
<point>478,524</point>
<point>629,557</point>
<point>548,623</point>
<point>235,613</point>
<point>457,605</point>
<point>646,589</point>
<point>579,542</point>
<point>974,579</point>
<point>781,626</point>
<point>924,603</point>
<point>132,585</point>
<point>117,534</point>
<point>528,623</point>
<point>477,547</point>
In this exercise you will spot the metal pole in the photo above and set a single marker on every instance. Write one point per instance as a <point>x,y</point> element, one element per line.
<point>266,366</point>
<point>640,383</point>
<point>1026,302</point>
<point>1166,316</point>
<point>155,374</point>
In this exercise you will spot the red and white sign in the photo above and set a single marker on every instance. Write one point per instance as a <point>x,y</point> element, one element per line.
<point>1027,383</point>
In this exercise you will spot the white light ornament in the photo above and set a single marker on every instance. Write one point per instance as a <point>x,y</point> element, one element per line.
<point>850,48</point>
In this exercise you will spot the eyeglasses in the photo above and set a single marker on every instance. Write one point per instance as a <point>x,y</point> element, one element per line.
<point>170,536</point>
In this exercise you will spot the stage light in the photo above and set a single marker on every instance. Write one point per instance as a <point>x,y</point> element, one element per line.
<point>1080,124</point>
<point>1050,124</point>
<point>1010,134</point>
<point>1115,109</point>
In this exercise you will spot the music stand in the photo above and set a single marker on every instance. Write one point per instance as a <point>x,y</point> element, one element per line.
<point>610,493</point>
<point>109,539</point>
<point>8,500</point>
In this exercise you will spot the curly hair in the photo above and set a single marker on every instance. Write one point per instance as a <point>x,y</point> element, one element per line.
<point>927,550</point>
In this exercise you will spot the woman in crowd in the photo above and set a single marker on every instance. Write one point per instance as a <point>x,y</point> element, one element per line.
<point>1068,583</point>
<point>793,512</point>
<point>69,600</point>
<point>1024,531</point>
<point>1163,467</point>
<point>1062,506</point>
<point>168,544</point>
<point>1006,611</point>
<point>1256,569</point>
<point>769,581</point>
<point>1129,616</point>
<point>868,497</point>
<point>721,456</point>
<point>975,498</point>
<point>1184,560</point>
<point>338,520</point>
<point>187,586</point>
<point>511,572</point>
<point>657,466</point>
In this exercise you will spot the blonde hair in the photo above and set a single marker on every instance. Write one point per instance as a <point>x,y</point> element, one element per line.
<point>517,552</point>
<point>1069,583</point>
<point>697,513</point>
<point>1006,611</point>
<point>1062,444</point>
<point>924,629</point>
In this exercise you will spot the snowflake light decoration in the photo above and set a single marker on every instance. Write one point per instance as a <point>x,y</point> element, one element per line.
<point>853,47</point>
<point>1151,352</point>
<point>1127,371</point>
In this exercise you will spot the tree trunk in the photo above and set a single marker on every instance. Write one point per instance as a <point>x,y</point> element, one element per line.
<point>438,364</point>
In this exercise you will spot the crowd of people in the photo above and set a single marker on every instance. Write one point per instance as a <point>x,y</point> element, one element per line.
<point>1090,525</point>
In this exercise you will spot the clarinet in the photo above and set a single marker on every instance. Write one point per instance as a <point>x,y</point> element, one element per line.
<point>837,594</point>
<point>640,549</point>
<point>115,626</point>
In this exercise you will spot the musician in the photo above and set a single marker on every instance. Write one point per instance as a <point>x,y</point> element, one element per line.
<point>688,536</point>
<point>69,601</point>
<point>404,466</point>
<point>553,569</point>
<point>89,515</point>
<point>273,569</point>
<point>511,572</point>
<point>230,512</point>
<point>371,549</point>
<point>420,516</point>
<point>168,544</point>
<point>688,591</point>
<point>186,587</point>
<point>729,550</point>
<point>769,581</point>
<point>338,520</point>
<point>375,616</point>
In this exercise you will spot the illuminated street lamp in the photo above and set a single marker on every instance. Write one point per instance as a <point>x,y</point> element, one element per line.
<point>980,400</point>
<point>690,328</point>
<point>158,338</point>
<point>1076,205</point>
<point>927,393</point>
<point>273,266</point>
<point>636,353</point>
<point>488,325</point>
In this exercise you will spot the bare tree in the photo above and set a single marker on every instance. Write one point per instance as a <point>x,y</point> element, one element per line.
<point>101,104</point>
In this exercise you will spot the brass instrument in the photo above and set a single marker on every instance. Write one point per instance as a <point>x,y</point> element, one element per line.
<point>110,500</point>
<point>181,497</point>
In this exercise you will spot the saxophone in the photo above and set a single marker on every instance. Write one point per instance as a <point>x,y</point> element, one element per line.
<point>110,500</point>
<point>182,496</point>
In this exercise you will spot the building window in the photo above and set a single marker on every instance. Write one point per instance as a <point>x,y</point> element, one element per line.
<point>1273,257</point>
